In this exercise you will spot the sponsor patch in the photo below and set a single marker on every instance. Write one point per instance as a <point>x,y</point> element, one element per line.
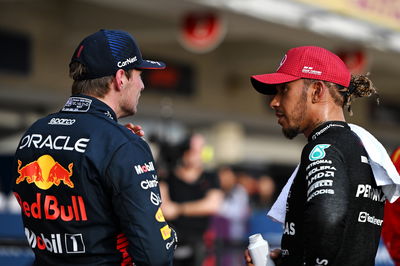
<point>153,62</point>
<point>56,243</point>
<point>365,217</point>
<point>321,192</point>
<point>165,232</point>
<point>364,160</point>
<point>148,184</point>
<point>62,121</point>
<point>63,143</point>
<point>155,198</point>
<point>321,262</point>
<point>127,62</point>
<point>318,152</point>
<point>45,172</point>
<point>160,216</point>
<point>146,167</point>
<point>77,104</point>
<point>310,70</point>
<point>48,207</point>
<point>367,191</point>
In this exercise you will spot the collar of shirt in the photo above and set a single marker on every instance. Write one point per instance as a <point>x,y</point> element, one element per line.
<point>87,104</point>
<point>326,126</point>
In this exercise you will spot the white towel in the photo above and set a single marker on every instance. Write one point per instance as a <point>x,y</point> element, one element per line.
<point>385,174</point>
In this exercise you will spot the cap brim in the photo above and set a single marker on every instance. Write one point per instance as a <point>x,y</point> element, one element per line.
<point>150,64</point>
<point>266,83</point>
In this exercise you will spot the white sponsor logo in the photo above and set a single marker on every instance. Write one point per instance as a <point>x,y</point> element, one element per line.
<point>325,129</point>
<point>321,262</point>
<point>310,70</point>
<point>61,121</point>
<point>320,175</point>
<point>285,252</point>
<point>320,168</point>
<point>38,141</point>
<point>318,162</point>
<point>282,62</point>
<point>321,183</point>
<point>127,62</point>
<point>154,62</point>
<point>364,217</point>
<point>290,229</point>
<point>320,192</point>
<point>77,104</point>
<point>146,184</point>
<point>73,243</point>
<point>366,191</point>
<point>171,243</point>
<point>155,199</point>
<point>108,114</point>
<point>146,167</point>
<point>364,159</point>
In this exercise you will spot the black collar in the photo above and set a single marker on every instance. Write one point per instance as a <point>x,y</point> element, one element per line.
<point>87,104</point>
<point>325,127</point>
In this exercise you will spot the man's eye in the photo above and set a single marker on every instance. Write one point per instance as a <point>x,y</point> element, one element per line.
<point>285,89</point>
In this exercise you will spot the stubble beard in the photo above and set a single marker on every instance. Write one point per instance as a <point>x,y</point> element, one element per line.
<point>297,117</point>
<point>291,133</point>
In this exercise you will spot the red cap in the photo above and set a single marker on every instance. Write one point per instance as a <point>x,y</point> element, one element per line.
<point>310,62</point>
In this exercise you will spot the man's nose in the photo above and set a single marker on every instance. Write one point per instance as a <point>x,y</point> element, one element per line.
<point>274,101</point>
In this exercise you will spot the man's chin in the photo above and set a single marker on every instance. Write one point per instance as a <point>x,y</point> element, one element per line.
<point>290,133</point>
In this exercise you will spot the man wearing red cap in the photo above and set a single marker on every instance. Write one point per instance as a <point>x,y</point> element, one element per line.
<point>334,209</point>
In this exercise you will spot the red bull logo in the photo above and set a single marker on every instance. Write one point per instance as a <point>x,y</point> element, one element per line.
<point>45,172</point>
<point>48,207</point>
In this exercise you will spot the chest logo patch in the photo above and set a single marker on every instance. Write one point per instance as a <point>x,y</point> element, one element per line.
<point>318,152</point>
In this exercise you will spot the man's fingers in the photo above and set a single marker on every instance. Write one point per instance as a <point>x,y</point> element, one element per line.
<point>276,253</point>
<point>247,258</point>
<point>136,129</point>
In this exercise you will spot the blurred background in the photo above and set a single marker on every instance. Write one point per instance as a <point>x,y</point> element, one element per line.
<point>211,48</point>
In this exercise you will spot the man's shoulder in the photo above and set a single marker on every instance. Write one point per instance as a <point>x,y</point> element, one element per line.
<point>341,142</point>
<point>339,136</point>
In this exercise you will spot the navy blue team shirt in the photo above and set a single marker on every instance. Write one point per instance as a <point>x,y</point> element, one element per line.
<point>88,190</point>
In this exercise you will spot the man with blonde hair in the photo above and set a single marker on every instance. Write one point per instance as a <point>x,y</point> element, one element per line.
<point>88,186</point>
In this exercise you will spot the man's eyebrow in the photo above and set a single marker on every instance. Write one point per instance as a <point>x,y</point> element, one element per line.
<point>281,86</point>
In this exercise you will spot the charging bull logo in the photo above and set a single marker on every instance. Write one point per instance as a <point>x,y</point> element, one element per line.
<point>45,172</point>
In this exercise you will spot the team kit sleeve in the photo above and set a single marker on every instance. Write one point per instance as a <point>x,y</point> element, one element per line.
<point>137,203</point>
<point>327,202</point>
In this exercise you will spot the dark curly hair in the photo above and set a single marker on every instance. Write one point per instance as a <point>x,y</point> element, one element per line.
<point>360,86</point>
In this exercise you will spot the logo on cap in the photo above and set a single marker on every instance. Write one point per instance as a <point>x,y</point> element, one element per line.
<point>127,61</point>
<point>282,62</point>
<point>310,70</point>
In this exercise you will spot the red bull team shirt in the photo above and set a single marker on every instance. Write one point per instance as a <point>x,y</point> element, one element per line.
<point>88,190</point>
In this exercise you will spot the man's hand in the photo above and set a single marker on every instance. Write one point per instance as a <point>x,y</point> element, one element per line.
<point>274,254</point>
<point>171,210</point>
<point>247,258</point>
<point>136,129</point>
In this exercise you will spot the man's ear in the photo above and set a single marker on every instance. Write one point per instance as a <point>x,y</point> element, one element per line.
<point>318,91</point>
<point>119,80</point>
